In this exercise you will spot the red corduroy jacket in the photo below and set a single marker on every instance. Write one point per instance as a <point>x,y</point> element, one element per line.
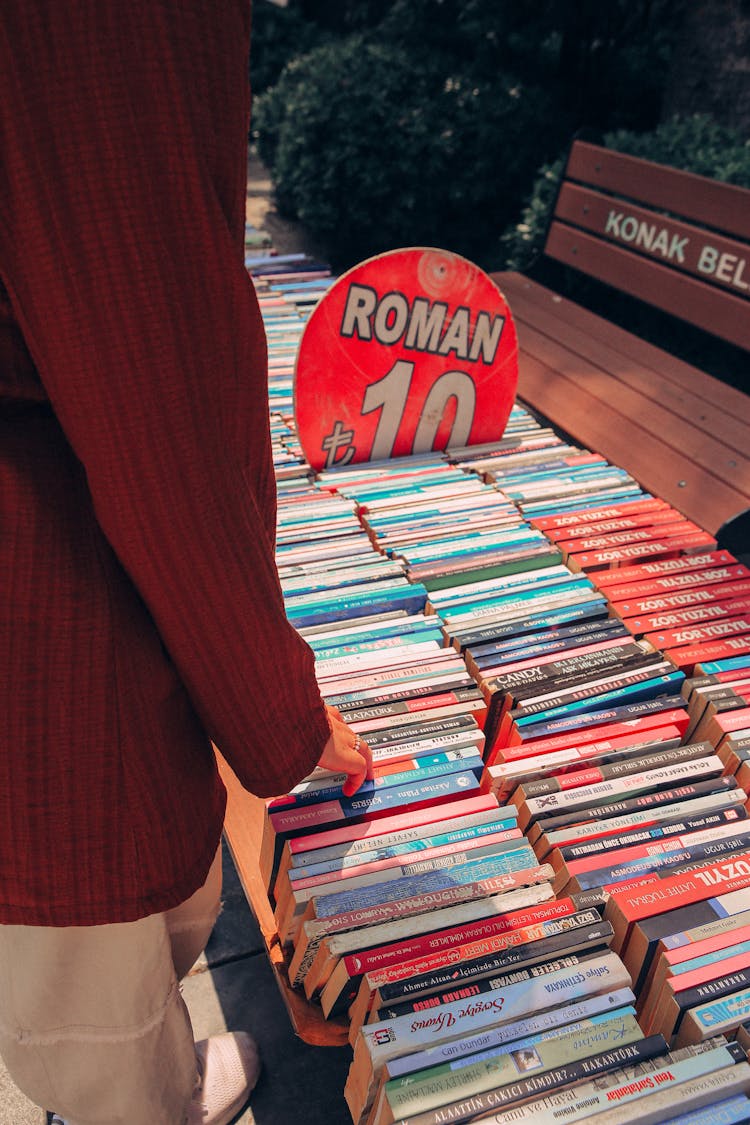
<point>140,609</point>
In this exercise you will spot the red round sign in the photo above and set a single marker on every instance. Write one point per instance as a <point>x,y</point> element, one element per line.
<point>410,351</point>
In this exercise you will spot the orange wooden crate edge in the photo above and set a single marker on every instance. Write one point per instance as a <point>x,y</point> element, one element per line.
<point>243,828</point>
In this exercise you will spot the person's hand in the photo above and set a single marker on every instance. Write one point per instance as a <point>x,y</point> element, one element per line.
<point>345,752</point>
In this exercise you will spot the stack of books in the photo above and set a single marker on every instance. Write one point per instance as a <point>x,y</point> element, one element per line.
<point>693,607</point>
<point>536,909</point>
<point>718,705</point>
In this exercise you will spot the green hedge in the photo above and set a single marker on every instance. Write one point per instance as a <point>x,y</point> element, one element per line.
<point>372,147</point>
<point>695,144</point>
<point>278,35</point>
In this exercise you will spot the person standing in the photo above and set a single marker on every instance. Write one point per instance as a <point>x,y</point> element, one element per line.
<point>141,615</point>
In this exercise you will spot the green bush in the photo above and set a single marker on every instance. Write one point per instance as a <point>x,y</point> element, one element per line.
<point>278,35</point>
<point>372,147</point>
<point>695,144</point>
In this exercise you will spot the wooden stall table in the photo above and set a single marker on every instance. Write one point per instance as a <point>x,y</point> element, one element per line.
<point>243,830</point>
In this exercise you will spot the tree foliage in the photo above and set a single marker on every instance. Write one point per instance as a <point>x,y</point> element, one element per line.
<point>373,146</point>
<point>394,122</point>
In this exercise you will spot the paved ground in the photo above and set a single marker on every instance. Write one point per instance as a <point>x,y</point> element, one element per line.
<point>285,236</point>
<point>236,989</point>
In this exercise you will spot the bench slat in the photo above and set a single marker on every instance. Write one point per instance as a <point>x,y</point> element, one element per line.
<point>680,246</point>
<point>728,418</point>
<point>717,312</point>
<point>654,421</point>
<point>705,386</point>
<point>709,202</point>
<point>595,422</point>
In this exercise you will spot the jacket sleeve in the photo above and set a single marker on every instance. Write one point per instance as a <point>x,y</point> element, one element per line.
<point>121,247</point>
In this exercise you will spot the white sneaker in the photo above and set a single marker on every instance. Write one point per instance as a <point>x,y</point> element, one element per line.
<point>229,1066</point>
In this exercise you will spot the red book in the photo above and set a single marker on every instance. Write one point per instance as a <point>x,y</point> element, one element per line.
<point>572,759</point>
<point>693,595</point>
<point>396,823</point>
<point>613,524</point>
<point>614,557</point>
<point>670,619</point>
<point>732,720</point>
<point>671,583</point>
<point>651,847</point>
<point>699,634</point>
<point>510,737</point>
<point>624,538</point>
<point>628,906</point>
<point>612,511</point>
<point>733,675</point>
<point>383,956</point>
<point>614,730</point>
<point>725,968</point>
<point>644,571</point>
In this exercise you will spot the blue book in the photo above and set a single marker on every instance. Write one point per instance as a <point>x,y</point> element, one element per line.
<point>597,607</point>
<point>731,1111</point>
<point>443,839</point>
<point>287,822</point>
<point>412,598</point>
<point>642,690</point>
<point>728,664</point>
<point>521,859</point>
<point>434,765</point>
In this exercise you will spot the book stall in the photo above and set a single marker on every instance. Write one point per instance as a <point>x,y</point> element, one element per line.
<point>539,908</point>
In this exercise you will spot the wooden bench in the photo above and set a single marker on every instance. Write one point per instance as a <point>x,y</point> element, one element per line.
<point>680,243</point>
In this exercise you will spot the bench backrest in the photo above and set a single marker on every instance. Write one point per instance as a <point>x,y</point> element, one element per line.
<point>675,240</point>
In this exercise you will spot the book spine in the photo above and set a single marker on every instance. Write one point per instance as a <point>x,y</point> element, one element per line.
<point>480,1105</point>
<point>642,802</point>
<point>637,763</point>
<point>533,1024</point>
<point>418,1093</point>
<point>349,856</point>
<point>523,859</point>
<point>475,967</point>
<point>719,1016</point>
<point>623,1085</point>
<point>724,817</point>
<point>424,769</point>
<point>666,566</point>
<point>385,1039</point>
<point>347,808</point>
<point>709,800</point>
<point>608,877</point>
<point>401,822</point>
<point>681,890</point>
<point>577,799</point>
<point>712,990</point>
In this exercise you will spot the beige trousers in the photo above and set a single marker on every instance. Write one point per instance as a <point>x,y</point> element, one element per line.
<point>92,1023</point>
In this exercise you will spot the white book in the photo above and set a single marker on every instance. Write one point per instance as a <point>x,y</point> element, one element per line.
<point>667,1103</point>
<point>387,1039</point>
<point>676,811</point>
<point>362,662</point>
<point>587,1100</point>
